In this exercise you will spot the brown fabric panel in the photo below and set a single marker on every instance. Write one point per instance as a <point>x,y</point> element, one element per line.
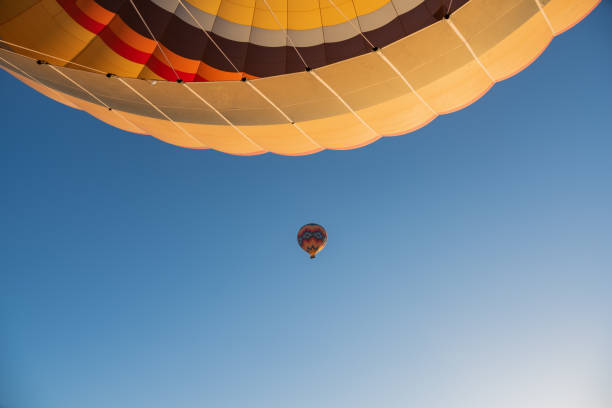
<point>269,61</point>
<point>457,4</point>
<point>112,5</point>
<point>315,57</point>
<point>414,19</point>
<point>263,61</point>
<point>346,49</point>
<point>156,17</point>
<point>234,50</point>
<point>175,35</point>
<point>386,34</point>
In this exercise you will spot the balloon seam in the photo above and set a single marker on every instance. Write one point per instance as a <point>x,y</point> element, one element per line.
<point>545,16</point>
<point>403,78</point>
<point>350,21</point>
<point>51,56</point>
<point>95,97</point>
<point>155,39</point>
<point>222,116</point>
<point>325,84</point>
<point>469,47</point>
<point>160,111</point>
<point>209,37</point>
<point>291,121</point>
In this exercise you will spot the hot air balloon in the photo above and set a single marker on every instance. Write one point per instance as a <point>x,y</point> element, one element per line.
<point>291,77</point>
<point>312,238</point>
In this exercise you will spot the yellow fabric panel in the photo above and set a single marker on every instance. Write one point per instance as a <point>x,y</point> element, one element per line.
<point>280,139</point>
<point>165,130</point>
<point>477,17</point>
<point>98,111</point>
<point>12,8</point>
<point>262,16</point>
<point>300,96</point>
<point>447,77</point>
<point>363,81</point>
<point>458,89</point>
<point>518,50</point>
<point>238,102</point>
<point>339,132</point>
<point>112,92</point>
<point>176,101</point>
<point>378,95</point>
<point>116,119</point>
<point>100,55</point>
<point>47,28</point>
<point>283,139</point>
<point>75,30</point>
<point>303,14</point>
<point>238,11</point>
<point>304,99</point>
<point>564,14</point>
<point>223,138</point>
<point>512,37</point>
<point>485,23</point>
<point>397,116</point>
<point>330,14</point>
<point>48,76</point>
<point>208,6</point>
<point>420,62</point>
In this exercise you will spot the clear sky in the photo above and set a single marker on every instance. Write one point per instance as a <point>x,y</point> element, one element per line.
<point>469,264</point>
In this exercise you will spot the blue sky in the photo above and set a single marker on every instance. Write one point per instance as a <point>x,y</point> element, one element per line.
<point>468,264</point>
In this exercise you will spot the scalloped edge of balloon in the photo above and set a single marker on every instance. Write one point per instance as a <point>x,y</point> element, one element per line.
<point>518,71</point>
<point>375,139</point>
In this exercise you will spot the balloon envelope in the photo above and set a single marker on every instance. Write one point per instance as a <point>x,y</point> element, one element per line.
<point>312,238</point>
<point>317,74</point>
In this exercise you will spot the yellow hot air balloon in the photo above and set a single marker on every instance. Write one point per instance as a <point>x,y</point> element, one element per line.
<point>291,77</point>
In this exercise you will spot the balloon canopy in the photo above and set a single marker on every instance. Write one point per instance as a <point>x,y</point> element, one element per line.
<point>291,77</point>
<point>312,238</point>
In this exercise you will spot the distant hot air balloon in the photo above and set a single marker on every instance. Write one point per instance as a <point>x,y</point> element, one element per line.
<point>312,238</point>
<point>291,77</point>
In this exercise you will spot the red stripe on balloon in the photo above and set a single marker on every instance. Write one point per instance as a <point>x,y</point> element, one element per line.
<point>198,78</point>
<point>164,71</point>
<point>80,17</point>
<point>122,48</point>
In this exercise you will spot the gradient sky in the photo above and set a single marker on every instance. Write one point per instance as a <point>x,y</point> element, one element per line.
<point>469,264</point>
